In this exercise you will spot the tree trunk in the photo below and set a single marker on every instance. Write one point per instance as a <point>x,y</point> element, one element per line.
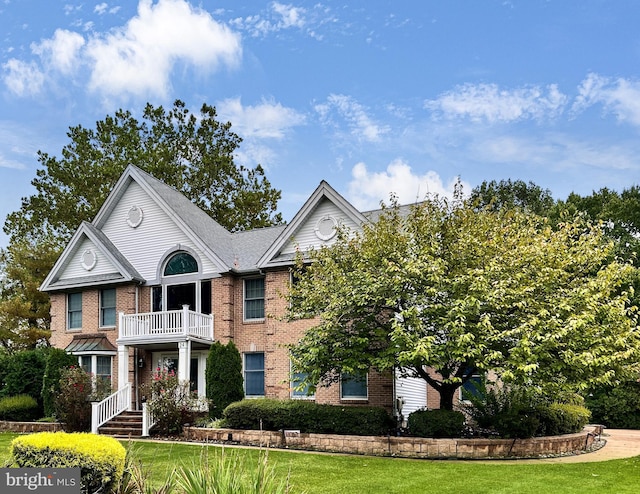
<point>447,392</point>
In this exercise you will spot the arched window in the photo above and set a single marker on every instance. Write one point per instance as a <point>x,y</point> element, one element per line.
<point>181,263</point>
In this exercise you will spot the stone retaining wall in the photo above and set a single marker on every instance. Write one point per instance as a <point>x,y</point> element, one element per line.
<point>6,426</point>
<point>406,447</point>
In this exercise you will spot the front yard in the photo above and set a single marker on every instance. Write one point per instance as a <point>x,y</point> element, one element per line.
<point>333,474</point>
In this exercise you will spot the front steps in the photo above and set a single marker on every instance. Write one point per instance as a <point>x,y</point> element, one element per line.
<point>127,424</point>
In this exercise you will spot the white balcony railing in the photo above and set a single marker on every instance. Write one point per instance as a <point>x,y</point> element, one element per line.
<point>115,404</point>
<point>183,322</point>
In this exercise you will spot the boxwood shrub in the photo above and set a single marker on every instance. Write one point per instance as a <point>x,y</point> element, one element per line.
<point>101,459</point>
<point>20,408</point>
<point>307,416</point>
<point>436,423</point>
<point>561,418</point>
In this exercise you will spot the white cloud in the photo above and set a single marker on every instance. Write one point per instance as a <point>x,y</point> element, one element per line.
<point>23,78</point>
<point>489,103</point>
<point>620,96</point>
<point>267,120</point>
<point>360,124</point>
<point>279,17</point>
<point>368,189</point>
<point>60,52</point>
<point>101,8</point>
<point>138,58</point>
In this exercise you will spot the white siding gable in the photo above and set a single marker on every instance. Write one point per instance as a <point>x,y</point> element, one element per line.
<point>305,236</point>
<point>145,245</point>
<point>84,253</point>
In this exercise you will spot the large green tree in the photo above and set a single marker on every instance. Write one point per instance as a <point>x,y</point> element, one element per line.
<point>512,194</point>
<point>448,287</point>
<point>192,152</point>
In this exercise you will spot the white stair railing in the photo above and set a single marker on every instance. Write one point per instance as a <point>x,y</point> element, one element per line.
<point>148,421</point>
<point>105,410</point>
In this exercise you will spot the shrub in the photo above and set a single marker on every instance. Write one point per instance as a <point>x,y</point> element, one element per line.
<point>562,418</point>
<point>617,407</point>
<point>24,374</point>
<point>307,416</point>
<point>73,403</point>
<point>172,404</point>
<point>57,360</point>
<point>436,423</point>
<point>101,459</point>
<point>20,408</point>
<point>224,377</point>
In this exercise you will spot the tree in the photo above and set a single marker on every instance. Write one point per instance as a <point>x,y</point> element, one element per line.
<point>463,291</point>
<point>224,377</point>
<point>193,153</point>
<point>510,194</point>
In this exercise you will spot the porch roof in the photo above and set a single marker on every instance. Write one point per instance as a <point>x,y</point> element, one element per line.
<point>90,343</point>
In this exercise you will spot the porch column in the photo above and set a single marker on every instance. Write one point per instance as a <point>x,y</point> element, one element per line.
<point>184,360</point>
<point>123,366</point>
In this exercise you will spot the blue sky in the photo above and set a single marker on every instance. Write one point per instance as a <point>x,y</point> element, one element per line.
<point>372,96</point>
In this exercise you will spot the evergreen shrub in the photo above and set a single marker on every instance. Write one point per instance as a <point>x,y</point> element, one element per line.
<point>24,373</point>
<point>436,423</point>
<point>101,459</point>
<point>307,416</point>
<point>224,379</point>
<point>616,407</point>
<point>20,408</point>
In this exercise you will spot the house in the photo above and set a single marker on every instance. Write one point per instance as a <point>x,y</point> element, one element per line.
<point>153,281</point>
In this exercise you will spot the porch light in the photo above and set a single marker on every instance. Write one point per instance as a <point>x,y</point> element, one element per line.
<point>141,363</point>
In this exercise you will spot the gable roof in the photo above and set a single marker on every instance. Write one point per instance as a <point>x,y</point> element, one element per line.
<point>124,271</point>
<point>323,192</point>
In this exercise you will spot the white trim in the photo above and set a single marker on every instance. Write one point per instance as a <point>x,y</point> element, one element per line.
<point>355,398</point>
<point>136,223</point>
<point>92,261</point>
<point>244,299</point>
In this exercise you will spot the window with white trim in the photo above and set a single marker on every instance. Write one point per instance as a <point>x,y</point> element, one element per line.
<point>74,310</point>
<point>299,391</point>
<point>353,387</point>
<point>254,374</point>
<point>472,388</point>
<point>98,365</point>
<point>108,308</point>
<point>253,299</point>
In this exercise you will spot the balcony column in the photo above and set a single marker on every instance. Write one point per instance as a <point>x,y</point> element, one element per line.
<point>123,366</point>
<point>184,361</point>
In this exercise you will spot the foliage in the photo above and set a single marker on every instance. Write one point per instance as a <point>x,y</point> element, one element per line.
<point>171,403</point>
<point>20,408</point>
<point>57,359</point>
<point>78,389</point>
<point>23,374</point>
<point>101,459</point>
<point>24,309</point>
<point>446,286</point>
<point>436,423</point>
<point>230,473</point>
<point>616,407</point>
<point>521,412</point>
<point>307,416</point>
<point>223,377</point>
<point>508,194</point>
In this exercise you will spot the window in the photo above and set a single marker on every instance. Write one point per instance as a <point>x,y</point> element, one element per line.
<point>300,393</point>
<point>254,299</point>
<point>181,263</point>
<point>108,307</point>
<point>353,387</point>
<point>74,310</point>
<point>254,374</point>
<point>98,365</point>
<point>473,388</point>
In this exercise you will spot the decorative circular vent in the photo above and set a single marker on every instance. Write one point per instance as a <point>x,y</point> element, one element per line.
<point>134,216</point>
<point>89,259</point>
<point>326,228</point>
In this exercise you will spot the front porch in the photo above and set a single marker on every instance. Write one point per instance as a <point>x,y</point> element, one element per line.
<point>177,333</point>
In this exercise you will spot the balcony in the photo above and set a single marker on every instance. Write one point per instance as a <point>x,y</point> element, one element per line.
<point>165,326</point>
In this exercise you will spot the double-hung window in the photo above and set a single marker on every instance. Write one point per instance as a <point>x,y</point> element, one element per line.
<point>74,310</point>
<point>254,374</point>
<point>253,299</point>
<point>108,307</point>
<point>299,391</point>
<point>353,387</point>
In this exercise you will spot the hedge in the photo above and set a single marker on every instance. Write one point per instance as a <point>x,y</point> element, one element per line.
<point>307,416</point>
<point>20,408</point>
<point>101,459</point>
<point>436,423</point>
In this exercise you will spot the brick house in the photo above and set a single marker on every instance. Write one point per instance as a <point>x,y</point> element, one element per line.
<point>153,281</point>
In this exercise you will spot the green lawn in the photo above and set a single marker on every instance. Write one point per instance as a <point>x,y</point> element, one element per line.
<point>328,474</point>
